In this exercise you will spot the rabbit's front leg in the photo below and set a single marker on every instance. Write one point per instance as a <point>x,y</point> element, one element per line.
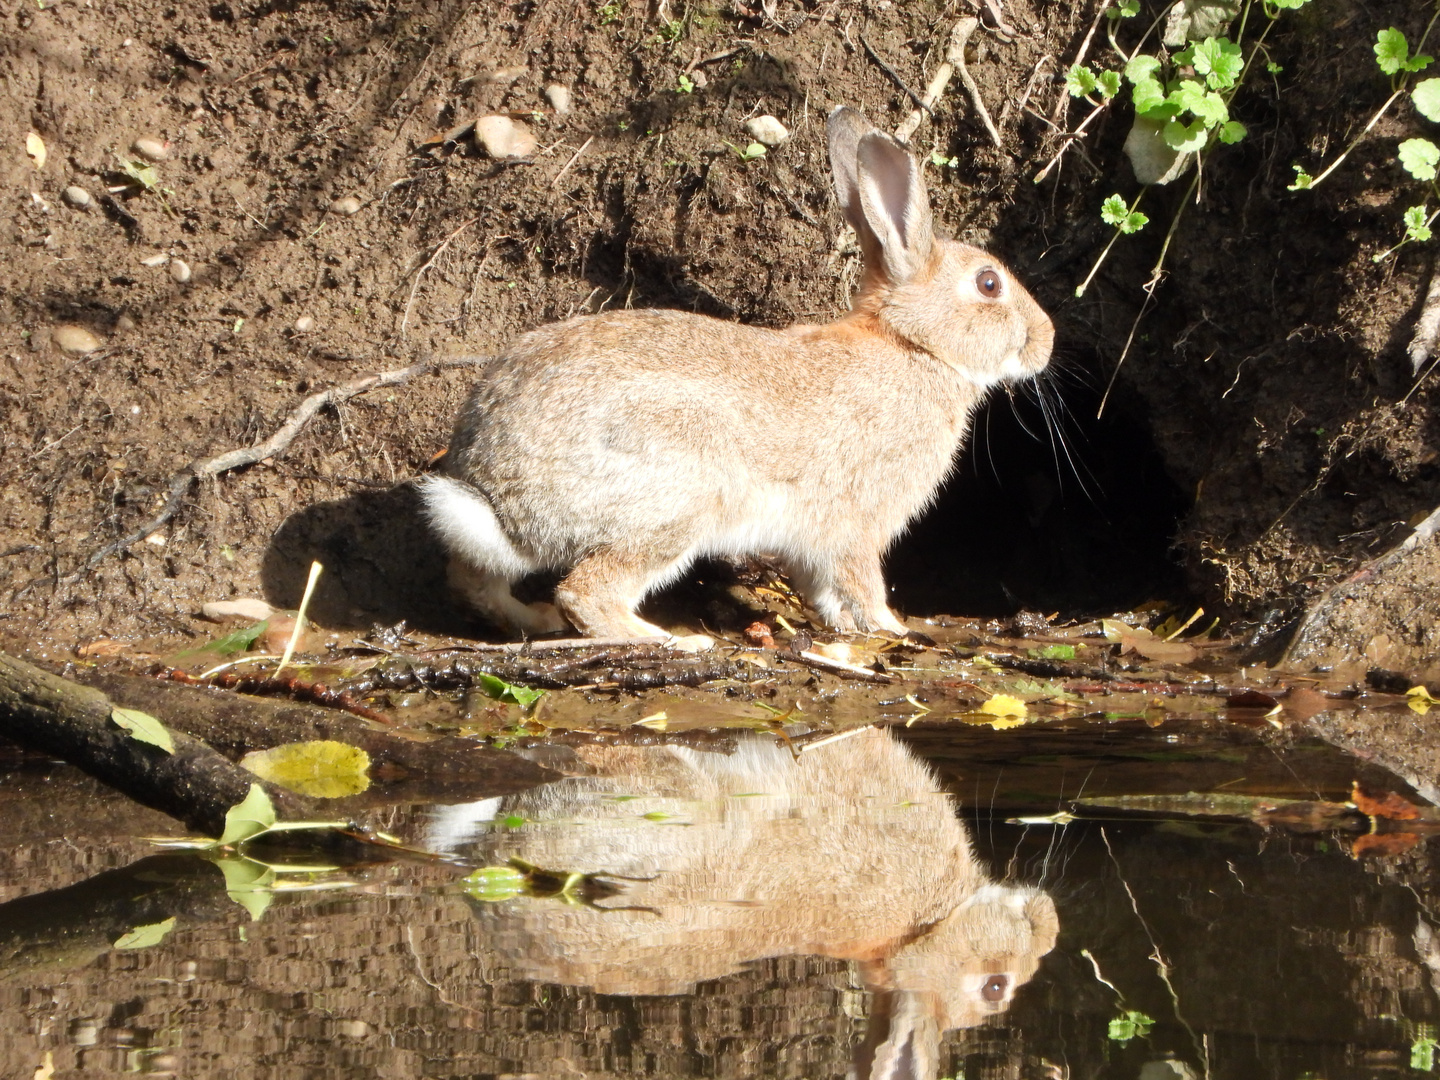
<point>849,593</point>
<point>600,594</point>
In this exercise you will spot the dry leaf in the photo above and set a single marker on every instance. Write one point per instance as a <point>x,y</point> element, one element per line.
<point>1139,640</point>
<point>1386,805</point>
<point>1383,844</point>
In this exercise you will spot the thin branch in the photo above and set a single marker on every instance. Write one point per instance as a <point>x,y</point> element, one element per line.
<point>974,90</point>
<point>439,250</point>
<point>895,76</point>
<point>276,444</point>
<point>573,158</point>
<point>954,54</point>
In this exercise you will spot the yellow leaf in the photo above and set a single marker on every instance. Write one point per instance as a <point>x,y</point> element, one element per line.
<point>1420,699</point>
<point>655,721</point>
<point>35,147</point>
<point>322,768</point>
<point>1004,705</point>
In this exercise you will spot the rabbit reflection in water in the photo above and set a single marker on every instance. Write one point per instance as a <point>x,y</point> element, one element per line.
<point>623,446</point>
<point>848,852</point>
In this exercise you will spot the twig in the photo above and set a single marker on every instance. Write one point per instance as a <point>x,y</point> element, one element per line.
<point>573,158</point>
<point>971,85</point>
<point>278,443</point>
<point>894,75</point>
<point>1024,98</point>
<point>1070,137</point>
<point>839,667</point>
<point>803,748</point>
<point>954,53</point>
<point>439,250</point>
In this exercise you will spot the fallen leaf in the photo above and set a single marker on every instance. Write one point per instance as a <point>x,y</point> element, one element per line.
<point>142,937</point>
<point>1139,640</point>
<point>319,768</point>
<point>47,1067</point>
<point>1419,699</point>
<point>1004,705</point>
<point>250,817</point>
<point>103,647</point>
<point>1386,805</point>
<point>142,727</point>
<point>35,147</point>
<point>493,883</point>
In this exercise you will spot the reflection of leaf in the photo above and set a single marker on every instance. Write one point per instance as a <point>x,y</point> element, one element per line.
<point>1056,652</point>
<point>249,883</point>
<point>1129,1025</point>
<point>142,937</point>
<point>142,727</point>
<point>494,883</point>
<point>1003,705</point>
<point>248,818</point>
<point>1382,844</point>
<point>1384,805</point>
<point>320,768</point>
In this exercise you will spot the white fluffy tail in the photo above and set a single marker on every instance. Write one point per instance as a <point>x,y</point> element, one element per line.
<point>467,525</point>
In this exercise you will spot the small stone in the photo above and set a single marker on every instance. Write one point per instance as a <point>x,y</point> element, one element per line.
<point>504,76</point>
<point>75,339</point>
<point>559,98</point>
<point>503,137</point>
<point>180,271</point>
<point>124,324</point>
<point>767,130</point>
<point>699,78</point>
<point>248,609</point>
<point>304,324</point>
<point>347,205</point>
<point>155,260</point>
<point>151,149</point>
<point>78,197</point>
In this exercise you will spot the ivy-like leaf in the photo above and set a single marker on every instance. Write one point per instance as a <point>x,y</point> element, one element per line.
<point>1420,158</point>
<point>248,818</point>
<point>1392,53</point>
<point>1184,138</point>
<point>1416,227</point>
<point>1080,81</point>
<point>1142,67</point>
<point>1126,9</point>
<point>1207,106</point>
<point>1232,132</point>
<point>500,690</point>
<point>1303,180</point>
<point>1108,83</point>
<point>142,727</point>
<point>1150,101</point>
<point>1288,5</point>
<point>1220,61</point>
<point>1113,210</point>
<point>1426,96</point>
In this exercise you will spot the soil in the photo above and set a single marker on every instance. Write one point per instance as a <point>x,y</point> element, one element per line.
<point>1259,443</point>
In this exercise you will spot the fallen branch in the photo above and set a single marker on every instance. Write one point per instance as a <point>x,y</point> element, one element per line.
<point>970,84</point>
<point>839,667</point>
<point>954,56</point>
<point>276,444</point>
<point>895,76</point>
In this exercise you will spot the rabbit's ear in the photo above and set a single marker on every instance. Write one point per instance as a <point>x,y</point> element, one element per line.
<point>895,205</point>
<point>845,128</point>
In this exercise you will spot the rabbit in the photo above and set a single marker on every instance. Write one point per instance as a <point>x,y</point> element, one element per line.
<point>848,852</point>
<point>623,446</point>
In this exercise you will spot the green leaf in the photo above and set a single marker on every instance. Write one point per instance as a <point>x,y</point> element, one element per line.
<point>1113,210</point>
<point>1392,53</point>
<point>320,768</point>
<point>500,690</point>
<point>1220,61</point>
<point>1273,68</point>
<point>1108,83</point>
<point>1142,67</point>
<point>1303,180</point>
<point>238,641</point>
<point>142,727</point>
<point>1207,106</point>
<point>1184,138</point>
<point>142,937</point>
<point>685,85</point>
<point>1422,1054</point>
<point>1080,81</point>
<point>1426,96</point>
<point>1057,652</point>
<point>493,883</point>
<point>1419,157</point>
<point>1150,101</point>
<point>248,818</point>
<point>1129,1025</point>
<point>1416,227</point>
<point>1288,5</point>
<point>512,821</point>
<point>1232,132</point>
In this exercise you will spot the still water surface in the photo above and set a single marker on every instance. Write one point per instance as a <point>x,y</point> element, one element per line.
<point>850,913</point>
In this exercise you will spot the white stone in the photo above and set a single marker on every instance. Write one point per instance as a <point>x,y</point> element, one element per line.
<point>180,271</point>
<point>75,339</point>
<point>347,205</point>
<point>304,324</point>
<point>151,149</point>
<point>559,98</point>
<point>503,137</point>
<point>249,609</point>
<point>78,197</point>
<point>767,130</point>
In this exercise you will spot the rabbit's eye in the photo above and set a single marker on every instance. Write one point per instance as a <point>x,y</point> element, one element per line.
<point>995,987</point>
<point>988,282</point>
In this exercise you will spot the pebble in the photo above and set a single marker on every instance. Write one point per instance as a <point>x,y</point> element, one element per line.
<point>155,260</point>
<point>504,138</point>
<point>151,149</point>
<point>304,324</point>
<point>124,324</point>
<point>180,271</point>
<point>78,197</point>
<point>559,98</point>
<point>75,339</point>
<point>767,130</point>
<point>347,206</point>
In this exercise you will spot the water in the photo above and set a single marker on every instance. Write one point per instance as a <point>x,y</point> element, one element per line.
<point>742,915</point>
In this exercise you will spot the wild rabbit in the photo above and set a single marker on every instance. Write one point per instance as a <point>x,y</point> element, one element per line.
<point>623,446</point>
<point>720,860</point>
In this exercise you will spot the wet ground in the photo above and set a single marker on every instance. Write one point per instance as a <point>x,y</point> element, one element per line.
<point>1161,873</point>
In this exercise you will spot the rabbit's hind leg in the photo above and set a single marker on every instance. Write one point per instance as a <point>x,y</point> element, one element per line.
<point>490,594</point>
<point>600,594</point>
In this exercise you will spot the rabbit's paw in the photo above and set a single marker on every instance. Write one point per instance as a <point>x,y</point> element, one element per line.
<point>543,619</point>
<point>691,643</point>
